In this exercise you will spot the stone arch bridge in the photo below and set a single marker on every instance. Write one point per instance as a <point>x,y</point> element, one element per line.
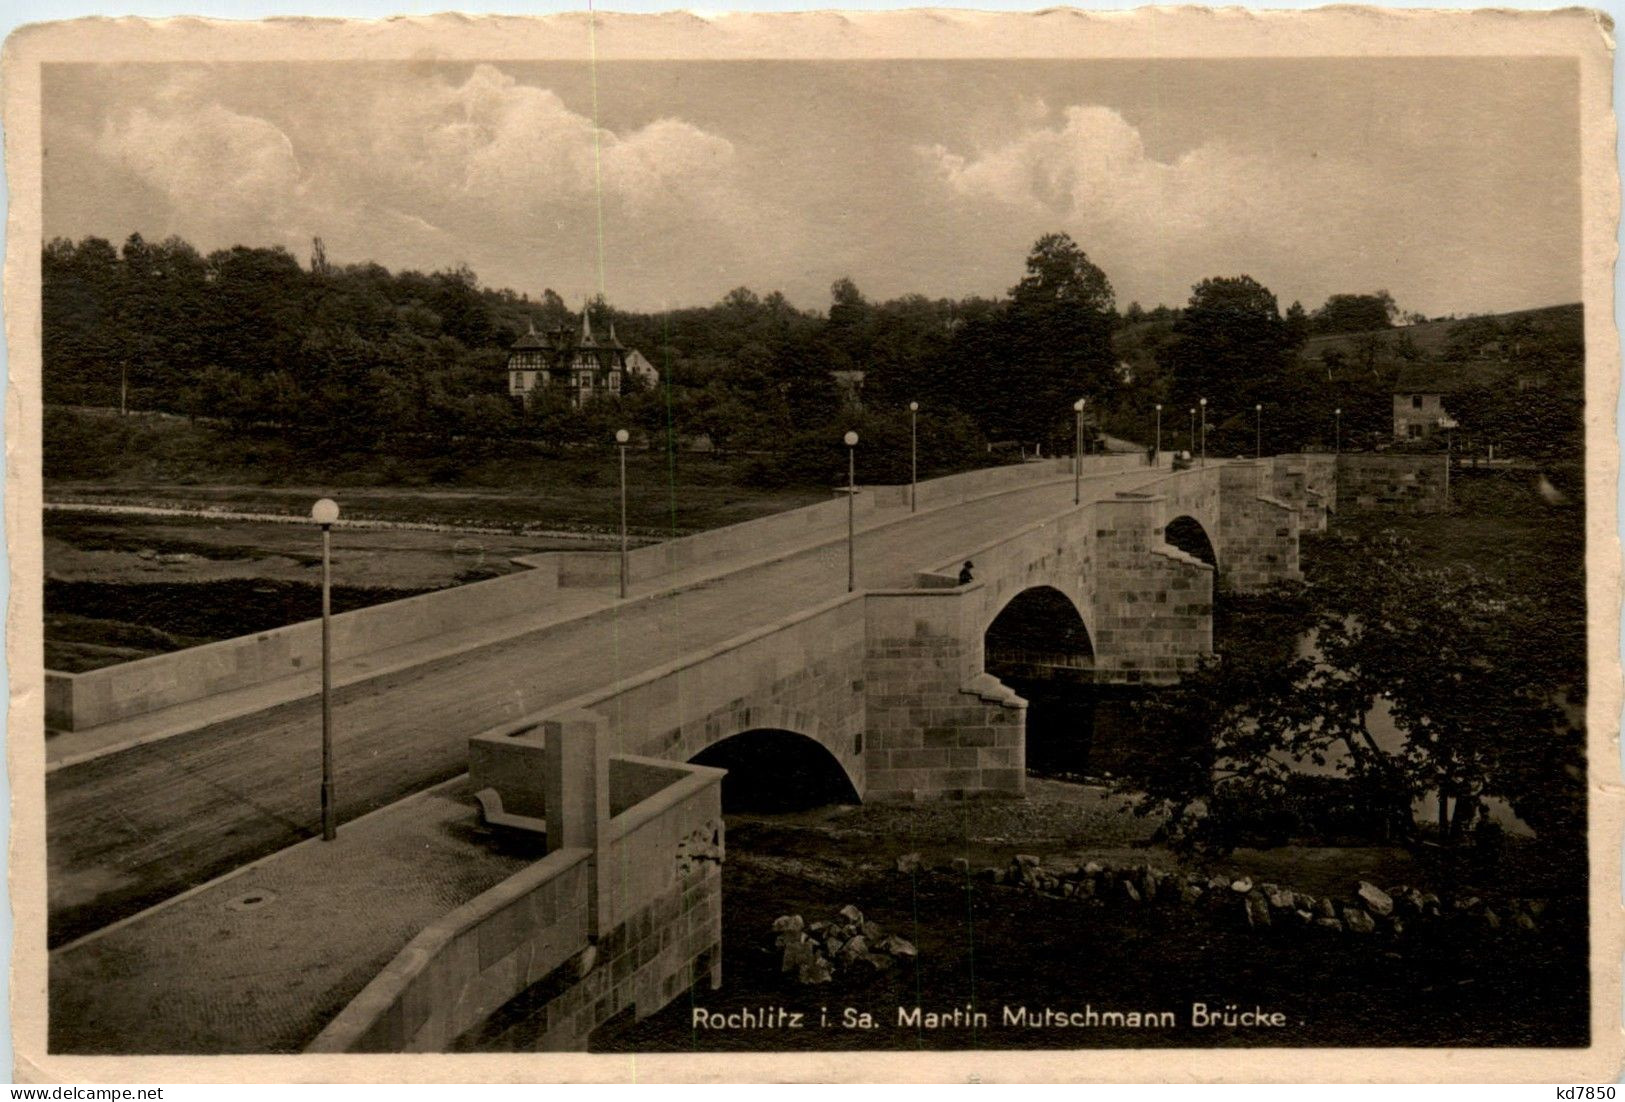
<point>894,683</point>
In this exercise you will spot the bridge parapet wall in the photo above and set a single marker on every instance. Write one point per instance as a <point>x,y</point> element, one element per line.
<point>936,724</point>
<point>1258,533</point>
<point>625,911</point>
<point>1153,604</point>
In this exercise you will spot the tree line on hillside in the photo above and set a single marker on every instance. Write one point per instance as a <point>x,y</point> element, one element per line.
<point>357,357</point>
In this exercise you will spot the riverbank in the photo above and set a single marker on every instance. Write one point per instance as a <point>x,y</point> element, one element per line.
<point>984,945</point>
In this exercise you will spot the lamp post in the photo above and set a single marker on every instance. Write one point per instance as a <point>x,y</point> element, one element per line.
<point>1077,452</point>
<point>1258,431</point>
<point>621,437</point>
<point>1338,446</point>
<point>324,513</point>
<point>851,439</point>
<point>1156,455</point>
<point>913,457</point>
<point>1192,439</point>
<point>1203,403</point>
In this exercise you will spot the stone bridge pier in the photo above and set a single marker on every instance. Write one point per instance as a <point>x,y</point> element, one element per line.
<point>1258,532</point>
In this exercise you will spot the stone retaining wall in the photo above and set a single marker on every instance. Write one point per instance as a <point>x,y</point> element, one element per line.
<point>1391,483</point>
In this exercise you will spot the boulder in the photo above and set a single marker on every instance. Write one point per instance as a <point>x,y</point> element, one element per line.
<point>1329,924</point>
<point>816,970</point>
<point>1281,900</point>
<point>1093,868</point>
<point>1491,919</point>
<point>880,962</point>
<point>788,924</point>
<point>796,954</point>
<point>1258,911</point>
<point>1325,908</point>
<point>850,913</point>
<point>1304,918</point>
<point>909,862</point>
<point>855,948</point>
<point>1130,892</point>
<point>1024,860</point>
<point>1377,901</point>
<point>900,947</point>
<point>1523,921</point>
<point>959,866</point>
<point>1243,886</point>
<point>1358,921</point>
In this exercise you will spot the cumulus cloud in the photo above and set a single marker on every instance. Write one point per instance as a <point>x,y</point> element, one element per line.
<point>1207,210</point>
<point>483,168</point>
<point>207,159</point>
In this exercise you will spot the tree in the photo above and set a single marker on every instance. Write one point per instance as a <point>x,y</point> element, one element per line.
<point>1355,313</point>
<point>1019,367</point>
<point>1441,653</point>
<point>1229,346</point>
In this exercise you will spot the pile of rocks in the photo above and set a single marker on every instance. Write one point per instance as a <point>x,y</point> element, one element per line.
<point>847,944</point>
<point>1370,909</point>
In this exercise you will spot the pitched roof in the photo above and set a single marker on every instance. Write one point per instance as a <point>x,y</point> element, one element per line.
<point>1447,378</point>
<point>531,340</point>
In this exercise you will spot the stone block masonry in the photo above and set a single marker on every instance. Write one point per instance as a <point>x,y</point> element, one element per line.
<point>1153,604</point>
<point>937,725</point>
<point>1392,483</point>
<point>1258,533</point>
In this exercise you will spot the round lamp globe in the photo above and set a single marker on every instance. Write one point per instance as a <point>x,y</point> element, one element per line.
<point>622,436</point>
<point>325,511</point>
<point>851,439</point>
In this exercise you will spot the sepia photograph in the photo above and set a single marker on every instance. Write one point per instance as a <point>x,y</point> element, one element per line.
<point>650,548</point>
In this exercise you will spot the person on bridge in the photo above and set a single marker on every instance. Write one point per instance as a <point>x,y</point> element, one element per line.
<point>965,573</point>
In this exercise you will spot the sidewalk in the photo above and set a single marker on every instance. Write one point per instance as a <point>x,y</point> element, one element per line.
<point>261,959</point>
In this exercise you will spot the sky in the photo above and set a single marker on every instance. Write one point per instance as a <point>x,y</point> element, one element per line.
<point>1452,183</point>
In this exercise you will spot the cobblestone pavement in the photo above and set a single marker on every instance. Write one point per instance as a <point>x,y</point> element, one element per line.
<point>261,960</point>
<point>127,830</point>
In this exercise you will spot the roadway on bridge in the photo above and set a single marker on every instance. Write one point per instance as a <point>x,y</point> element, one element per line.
<point>129,829</point>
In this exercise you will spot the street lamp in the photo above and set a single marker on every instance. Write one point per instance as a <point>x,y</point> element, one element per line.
<point>1258,432</point>
<point>1338,446</point>
<point>913,458</point>
<point>324,513</point>
<point>621,437</point>
<point>851,439</point>
<point>1077,452</point>
<point>1203,403</point>
<point>1156,456</point>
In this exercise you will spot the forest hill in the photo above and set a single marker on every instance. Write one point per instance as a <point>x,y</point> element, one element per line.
<point>356,357</point>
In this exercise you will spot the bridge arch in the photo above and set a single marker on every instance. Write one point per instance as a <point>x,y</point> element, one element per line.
<point>1040,628</point>
<point>773,769</point>
<point>1189,535</point>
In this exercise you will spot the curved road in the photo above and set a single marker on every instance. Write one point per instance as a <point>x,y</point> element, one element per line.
<point>129,829</point>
